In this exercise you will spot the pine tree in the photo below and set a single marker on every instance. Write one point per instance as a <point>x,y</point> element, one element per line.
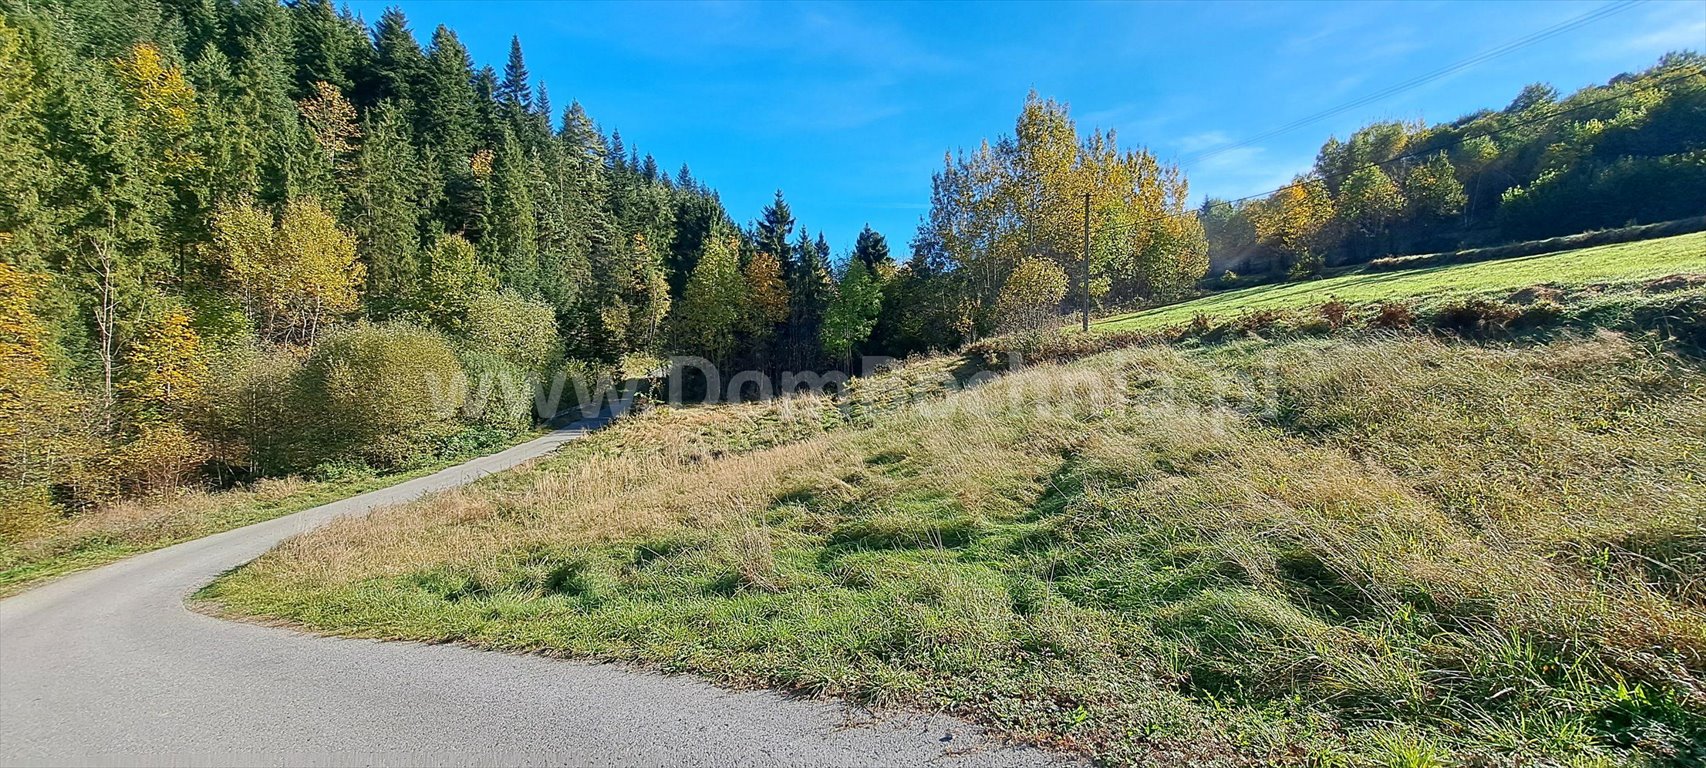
<point>872,250</point>
<point>511,243</point>
<point>514,93</point>
<point>326,46</point>
<point>810,286</point>
<point>775,228</point>
<point>396,65</point>
<point>388,211</point>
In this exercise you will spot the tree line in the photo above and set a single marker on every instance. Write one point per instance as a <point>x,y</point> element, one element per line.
<point>242,238</point>
<point>249,238</point>
<point>1630,151</point>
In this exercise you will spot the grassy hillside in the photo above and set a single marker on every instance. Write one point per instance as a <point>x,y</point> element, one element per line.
<point>1397,549</point>
<point>1603,264</point>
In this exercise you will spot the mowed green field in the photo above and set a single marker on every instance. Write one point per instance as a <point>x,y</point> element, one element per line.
<point>1599,264</point>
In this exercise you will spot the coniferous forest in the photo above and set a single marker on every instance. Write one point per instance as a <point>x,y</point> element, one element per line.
<point>242,238</point>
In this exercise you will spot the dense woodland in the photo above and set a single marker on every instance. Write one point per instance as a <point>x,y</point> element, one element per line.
<point>1631,151</point>
<point>242,238</point>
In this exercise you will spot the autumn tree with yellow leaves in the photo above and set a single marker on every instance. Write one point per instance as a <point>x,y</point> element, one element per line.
<point>1025,196</point>
<point>298,276</point>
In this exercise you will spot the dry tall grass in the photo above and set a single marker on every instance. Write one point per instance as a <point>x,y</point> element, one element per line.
<point>1388,549</point>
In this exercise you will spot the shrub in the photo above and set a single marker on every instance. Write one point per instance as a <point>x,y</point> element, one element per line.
<point>25,510</point>
<point>383,392</point>
<point>500,393</point>
<point>1393,316</point>
<point>254,416</point>
<point>162,456</point>
<point>1336,312</point>
<point>1308,265</point>
<point>1476,316</point>
<point>521,331</point>
<point>1229,279</point>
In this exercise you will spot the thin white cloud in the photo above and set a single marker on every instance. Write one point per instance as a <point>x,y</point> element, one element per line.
<point>1198,142</point>
<point>1661,28</point>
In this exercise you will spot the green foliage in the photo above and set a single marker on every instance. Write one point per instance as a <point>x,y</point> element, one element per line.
<point>517,330</point>
<point>1626,152</point>
<point>710,310</point>
<point>852,314</point>
<point>1031,298</point>
<point>382,392</point>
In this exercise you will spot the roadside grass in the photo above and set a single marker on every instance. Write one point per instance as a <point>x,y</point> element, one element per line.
<point>1607,263</point>
<point>132,527</point>
<point>1368,548</point>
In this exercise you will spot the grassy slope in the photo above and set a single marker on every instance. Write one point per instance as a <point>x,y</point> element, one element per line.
<point>1608,263</point>
<point>1390,549</point>
<point>142,525</point>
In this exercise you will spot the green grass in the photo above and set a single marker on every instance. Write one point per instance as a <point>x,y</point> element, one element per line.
<point>1608,263</point>
<point>1365,549</point>
<point>136,526</point>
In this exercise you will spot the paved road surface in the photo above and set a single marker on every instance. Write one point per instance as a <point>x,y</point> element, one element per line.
<point>109,667</point>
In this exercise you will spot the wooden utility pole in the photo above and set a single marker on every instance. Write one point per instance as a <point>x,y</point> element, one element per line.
<point>1086,265</point>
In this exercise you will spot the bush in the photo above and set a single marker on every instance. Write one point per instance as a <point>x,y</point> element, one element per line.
<point>25,510</point>
<point>383,393</point>
<point>1229,279</point>
<point>1307,266</point>
<point>1393,316</point>
<point>253,415</point>
<point>1476,316</point>
<point>162,456</point>
<point>500,393</point>
<point>1336,312</point>
<point>518,330</point>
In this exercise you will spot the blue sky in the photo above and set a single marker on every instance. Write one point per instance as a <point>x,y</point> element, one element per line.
<point>848,107</point>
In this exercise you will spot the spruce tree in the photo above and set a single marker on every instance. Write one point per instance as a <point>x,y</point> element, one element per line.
<point>396,65</point>
<point>514,93</point>
<point>388,212</point>
<point>872,249</point>
<point>775,227</point>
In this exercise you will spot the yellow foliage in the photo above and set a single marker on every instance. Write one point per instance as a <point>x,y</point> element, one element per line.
<point>1292,218</point>
<point>765,289</point>
<point>332,121</point>
<point>164,365</point>
<point>164,103</point>
<point>162,456</point>
<point>297,277</point>
<point>21,332</point>
<point>41,434</point>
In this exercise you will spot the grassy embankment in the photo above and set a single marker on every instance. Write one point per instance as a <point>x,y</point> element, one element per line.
<point>1363,547</point>
<point>1623,262</point>
<point>135,526</point>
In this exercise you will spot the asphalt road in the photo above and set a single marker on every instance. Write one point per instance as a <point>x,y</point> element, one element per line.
<point>109,667</point>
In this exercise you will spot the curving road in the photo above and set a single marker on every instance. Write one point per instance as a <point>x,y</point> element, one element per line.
<point>109,667</point>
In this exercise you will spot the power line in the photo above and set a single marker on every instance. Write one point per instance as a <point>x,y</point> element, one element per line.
<point>1466,137</point>
<point>1420,80</point>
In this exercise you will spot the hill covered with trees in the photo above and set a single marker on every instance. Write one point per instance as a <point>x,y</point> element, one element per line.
<point>1631,151</point>
<point>250,238</point>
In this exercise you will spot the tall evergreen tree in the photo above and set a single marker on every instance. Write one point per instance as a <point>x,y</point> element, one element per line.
<point>387,213</point>
<point>775,227</point>
<point>511,244</point>
<point>872,249</point>
<point>326,47</point>
<point>515,93</point>
<point>396,65</point>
